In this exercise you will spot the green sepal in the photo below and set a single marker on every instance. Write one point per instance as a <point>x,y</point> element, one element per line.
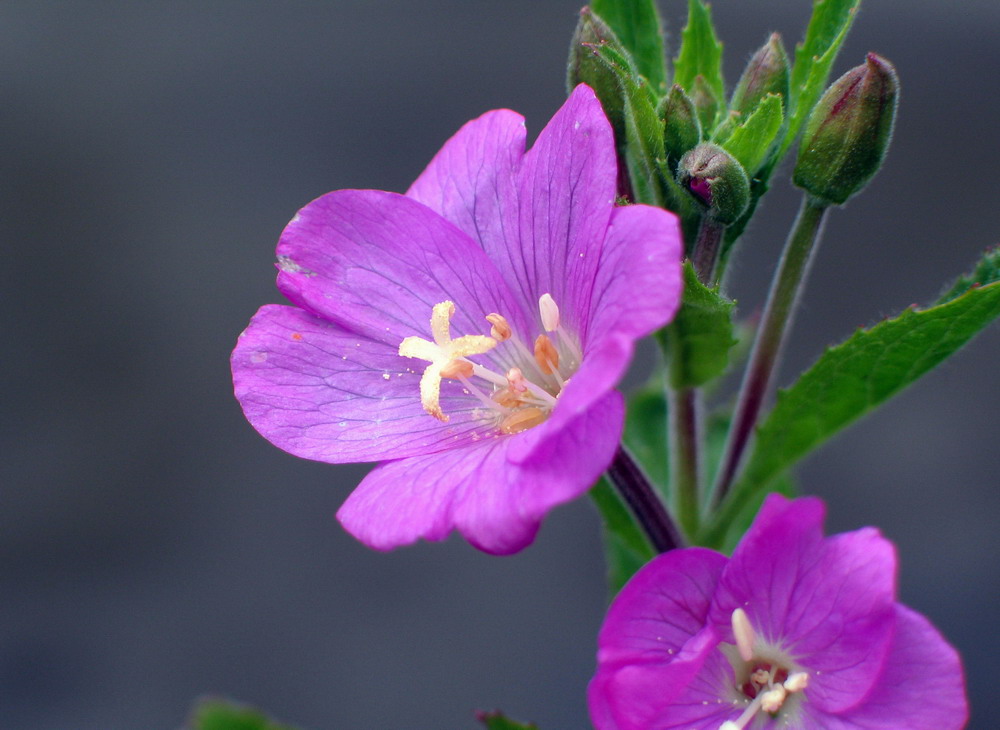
<point>707,104</point>
<point>682,128</point>
<point>584,66</point>
<point>645,155</point>
<point>851,379</point>
<point>767,72</point>
<point>814,56</point>
<point>219,714</point>
<point>638,27</point>
<point>700,53</point>
<point>497,721</point>
<point>752,142</point>
<point>701,335</point>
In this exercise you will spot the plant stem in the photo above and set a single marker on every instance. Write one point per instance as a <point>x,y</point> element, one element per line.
<point>683,411</point>
<point>706,249</point>
<point>638,493</point>
<point>775,322</point>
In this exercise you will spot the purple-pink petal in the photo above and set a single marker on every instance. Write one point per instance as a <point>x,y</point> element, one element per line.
<point>472,180</point>
<point>827,603</point>
<point>640,695</point>
<point>377,263</point>
<point>637,288</point>
<point>920,687</point>
<point>324,393</point>
<point>497,505</point>
<point>661,608</point>
<point>567,187</point>
<point>822,606</point>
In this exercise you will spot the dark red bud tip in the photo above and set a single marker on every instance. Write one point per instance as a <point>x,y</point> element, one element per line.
<point>716,180</point>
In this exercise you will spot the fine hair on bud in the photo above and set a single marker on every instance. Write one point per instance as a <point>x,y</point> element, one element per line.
<point>848,132</point>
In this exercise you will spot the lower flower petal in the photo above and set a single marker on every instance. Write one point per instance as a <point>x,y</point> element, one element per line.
<point>641,696</point>
<point>593,382</point>
<point>920,688</point>
<point>826,603</point>
<point>661,607</point>
<point>495,504</point>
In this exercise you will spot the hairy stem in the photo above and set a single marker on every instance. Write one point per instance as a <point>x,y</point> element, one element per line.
<point>706,249</point>
<point>775,322</point>
<point>683,411</point>
<point>641,498</point>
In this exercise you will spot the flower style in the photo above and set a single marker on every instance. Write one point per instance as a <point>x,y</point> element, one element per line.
<point>469,334</point>
<point>793,631</point>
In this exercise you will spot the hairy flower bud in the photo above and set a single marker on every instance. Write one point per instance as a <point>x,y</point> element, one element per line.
<point>585,67</point>
<point>848,132</point>
<point>766,73</point>
<point>716,180</point>
<point>682,130</point>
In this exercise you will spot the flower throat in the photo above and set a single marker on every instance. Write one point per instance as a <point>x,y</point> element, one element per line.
<point>516,400</point>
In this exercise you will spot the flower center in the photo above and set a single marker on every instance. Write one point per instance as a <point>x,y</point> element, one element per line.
<point>761,677</point>
<point>518,399</point>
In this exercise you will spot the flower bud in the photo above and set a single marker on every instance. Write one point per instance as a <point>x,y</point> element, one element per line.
<point>716,180</point>
<point>585,67</point>
<point>848,132</point>
<point>706,103</point>
<point>766,73</point>
<point>682,130</point>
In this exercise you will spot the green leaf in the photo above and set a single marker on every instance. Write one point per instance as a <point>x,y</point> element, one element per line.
<point>626,547</point>
<point>497,721</point>
<point>701,52</point>
<point>701,334</point>
<point>828,27</point>
<point>752,142</point>
<point>986,272</point>
<point>218,714</point>
<point>852,378</point>
<point>637,25</point>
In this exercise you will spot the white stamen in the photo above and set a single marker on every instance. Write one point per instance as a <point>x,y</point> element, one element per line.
<point>797,681</point>
<point>484,399</point>
<point>549,310</point>
<point>772,700</point>
<point>744,634</point>
<point>742,720</point>
<point>570,343</point>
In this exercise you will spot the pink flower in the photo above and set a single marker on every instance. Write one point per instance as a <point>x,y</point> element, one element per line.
<point>794,631</point>
<point>468,335</point>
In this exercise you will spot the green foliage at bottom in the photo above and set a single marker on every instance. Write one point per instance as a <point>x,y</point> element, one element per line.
<point>496,721</point>
<point>219,714</point>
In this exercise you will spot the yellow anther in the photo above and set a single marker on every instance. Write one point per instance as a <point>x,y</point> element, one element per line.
<point>549,310</point>
<point>523,419</point>
<point>441,354</point>
<point>546,354</point>
<point>500,329</point>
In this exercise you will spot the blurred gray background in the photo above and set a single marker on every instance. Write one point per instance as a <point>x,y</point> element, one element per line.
<point>153,547</point>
